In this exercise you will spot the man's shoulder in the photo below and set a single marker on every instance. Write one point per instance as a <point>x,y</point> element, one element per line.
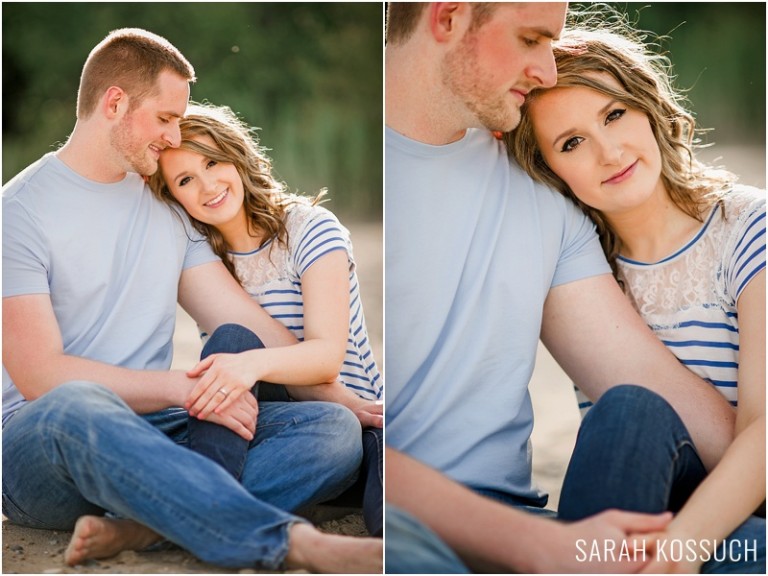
<point>19,185</point>
<point>549,199</point>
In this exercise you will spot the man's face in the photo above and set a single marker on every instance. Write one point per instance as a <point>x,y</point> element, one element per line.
<point>493,68</point>
<point>152,126</point>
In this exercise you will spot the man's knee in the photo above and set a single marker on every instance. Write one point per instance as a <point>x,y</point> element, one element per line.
<point>340,435</point>
<point>80,395</point>
<point>78,403</point>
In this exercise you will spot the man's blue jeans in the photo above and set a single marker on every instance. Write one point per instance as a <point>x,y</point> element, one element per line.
<point>79,449</point>
<point>229,450</point>
<point>413,548</point>
<point>634,453</point>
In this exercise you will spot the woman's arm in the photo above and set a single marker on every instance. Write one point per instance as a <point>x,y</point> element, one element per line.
<point>593,332</point>
<point>736,487</point>
<point>316,360</point>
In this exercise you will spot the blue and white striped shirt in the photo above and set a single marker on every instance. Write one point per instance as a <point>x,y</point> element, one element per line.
<point>272,275</point>
<point>689,299</point>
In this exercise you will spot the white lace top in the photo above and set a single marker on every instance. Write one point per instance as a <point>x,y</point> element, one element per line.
<point>689,298</point>
<point>272,275</point>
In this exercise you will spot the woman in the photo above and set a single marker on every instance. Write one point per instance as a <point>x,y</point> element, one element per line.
<point>685,242</point>
<point>293,257</point>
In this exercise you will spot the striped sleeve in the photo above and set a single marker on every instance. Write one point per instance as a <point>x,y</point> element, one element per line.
<point>323,233</point>
<point>748,256</point>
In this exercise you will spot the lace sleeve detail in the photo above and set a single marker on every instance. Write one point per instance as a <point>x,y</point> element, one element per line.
<point>710,270</point>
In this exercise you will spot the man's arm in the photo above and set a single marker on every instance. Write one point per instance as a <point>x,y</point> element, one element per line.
<point>33,355</point>
<point>599,340</point>
<point>212,297</point>
<point>493,537</point>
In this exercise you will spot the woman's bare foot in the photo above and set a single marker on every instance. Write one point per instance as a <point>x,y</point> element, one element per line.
<point>100,537</point>
<point>323,553</point>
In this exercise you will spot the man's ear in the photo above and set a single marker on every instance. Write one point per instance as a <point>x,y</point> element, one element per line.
<point>449,20</point>
<point>114,101</point>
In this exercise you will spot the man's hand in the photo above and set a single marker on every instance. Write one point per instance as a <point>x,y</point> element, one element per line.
<point>240,416</point>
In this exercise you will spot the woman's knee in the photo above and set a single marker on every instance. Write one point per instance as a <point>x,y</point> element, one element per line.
<point>633,415</point>
<point>630,401</point>
<point>231,338</point>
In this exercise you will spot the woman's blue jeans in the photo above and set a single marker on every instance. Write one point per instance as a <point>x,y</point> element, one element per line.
<point>229,450</point>
<point>634,453</point>
<point>79,449</point>
<point>214,441</point>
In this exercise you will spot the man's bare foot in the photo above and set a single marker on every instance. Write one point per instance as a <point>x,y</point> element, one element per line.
<point>100,537</point>
<point>318,552</point>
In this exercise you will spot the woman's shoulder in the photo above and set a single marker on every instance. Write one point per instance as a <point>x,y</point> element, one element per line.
<point>743,200</point>
<point>303,210</point>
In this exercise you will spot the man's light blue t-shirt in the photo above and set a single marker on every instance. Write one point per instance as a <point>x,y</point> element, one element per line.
<point>473,246</point>
<point>110,257</point>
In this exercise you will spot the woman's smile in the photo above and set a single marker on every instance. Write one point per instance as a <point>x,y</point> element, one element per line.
<point>218,200</point>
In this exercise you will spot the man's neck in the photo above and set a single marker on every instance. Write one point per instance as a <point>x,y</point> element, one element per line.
<point>416,103</point>
<point>90,157</point>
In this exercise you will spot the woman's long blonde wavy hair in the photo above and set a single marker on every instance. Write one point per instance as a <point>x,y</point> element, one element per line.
<point>583,53</point>
<point>265,199</point>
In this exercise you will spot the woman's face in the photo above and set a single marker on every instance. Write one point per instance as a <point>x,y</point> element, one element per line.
<point>602,149</point>
<point>211,192</point>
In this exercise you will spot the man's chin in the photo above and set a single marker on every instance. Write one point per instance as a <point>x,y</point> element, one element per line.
<point>146,169</point>
<point>502,123</point>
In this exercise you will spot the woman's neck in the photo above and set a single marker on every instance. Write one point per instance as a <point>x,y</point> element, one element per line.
<point>656,229</point>
<point>239,235</point>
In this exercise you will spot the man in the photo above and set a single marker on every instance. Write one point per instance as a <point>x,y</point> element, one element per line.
<point>92,268</point>
<point>481,262</point>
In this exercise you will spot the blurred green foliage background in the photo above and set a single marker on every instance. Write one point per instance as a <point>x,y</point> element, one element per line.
<point>718,51</point>
<point>309,75</point>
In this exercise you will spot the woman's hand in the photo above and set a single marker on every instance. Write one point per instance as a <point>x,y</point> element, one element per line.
<point>223,379</point>
<point>371,414</point>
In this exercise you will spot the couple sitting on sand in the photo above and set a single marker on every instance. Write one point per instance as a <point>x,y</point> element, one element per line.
<point>216,460</point>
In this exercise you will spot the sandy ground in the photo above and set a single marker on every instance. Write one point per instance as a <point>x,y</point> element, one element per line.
<point>557,418</point>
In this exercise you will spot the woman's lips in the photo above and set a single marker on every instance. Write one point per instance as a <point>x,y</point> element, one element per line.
<point>623,175</point>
